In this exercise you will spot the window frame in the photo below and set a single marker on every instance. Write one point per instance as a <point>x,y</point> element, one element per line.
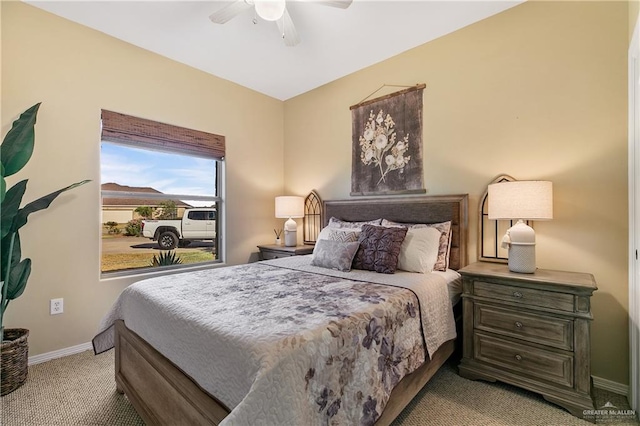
<point>137,133</point>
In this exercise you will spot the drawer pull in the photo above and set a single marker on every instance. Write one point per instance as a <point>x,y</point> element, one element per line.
<point>518,358</point>
<point>518,324</point>
<point>517,295</point>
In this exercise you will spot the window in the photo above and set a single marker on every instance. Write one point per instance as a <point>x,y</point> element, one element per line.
<point>161,201</point>
<point>201,215</point>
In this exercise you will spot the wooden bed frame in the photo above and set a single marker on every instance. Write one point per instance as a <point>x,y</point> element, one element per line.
<point>162,394</point>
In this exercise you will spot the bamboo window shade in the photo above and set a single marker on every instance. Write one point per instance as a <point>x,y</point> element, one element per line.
<point>135,131</point>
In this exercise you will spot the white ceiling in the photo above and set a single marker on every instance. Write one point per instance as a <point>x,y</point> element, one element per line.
<point>334,42</point>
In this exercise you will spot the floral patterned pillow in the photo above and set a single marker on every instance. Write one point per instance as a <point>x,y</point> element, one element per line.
<point>445,239</point>
<point>338,223</point>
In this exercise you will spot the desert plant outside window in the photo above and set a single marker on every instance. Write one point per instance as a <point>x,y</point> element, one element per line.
<point>160,182</point>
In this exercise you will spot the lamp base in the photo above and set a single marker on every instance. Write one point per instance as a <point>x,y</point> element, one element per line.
<point>521,239</point>
<point>290,233</point>
<point>522,258</point>
<point>290,238</point>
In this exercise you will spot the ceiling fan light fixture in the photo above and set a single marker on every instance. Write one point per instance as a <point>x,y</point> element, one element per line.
<point>270,10</point>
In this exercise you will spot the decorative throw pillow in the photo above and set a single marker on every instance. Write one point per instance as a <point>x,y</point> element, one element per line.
<point>334,254</point>
<point>333,234</point>
<point>443,250</point>
<point>324,234</point>
<point>337,223</point>
<point>449,248</point>
<point>419,250</point>
<point>343,235</point>
<point>379,248</point>
<point>445,235</point>
<point>392,224</point>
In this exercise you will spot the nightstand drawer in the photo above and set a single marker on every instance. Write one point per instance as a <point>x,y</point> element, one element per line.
<point>526,360</point>
<point>545,330</point>
<point>525,296</point>
<point>268,255</point>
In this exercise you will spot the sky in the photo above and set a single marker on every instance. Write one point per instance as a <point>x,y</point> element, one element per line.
<point>166,172</point>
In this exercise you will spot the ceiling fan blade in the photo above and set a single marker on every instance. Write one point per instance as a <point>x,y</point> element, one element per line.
<point>342,4</point>
<point>229,11</point>
<point>288,30</point>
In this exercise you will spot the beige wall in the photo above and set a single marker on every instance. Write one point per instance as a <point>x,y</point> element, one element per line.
<point>75,72</point>
<point>537,92</point>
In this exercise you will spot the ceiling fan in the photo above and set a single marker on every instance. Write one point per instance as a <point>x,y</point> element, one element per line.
<point>271,10</point>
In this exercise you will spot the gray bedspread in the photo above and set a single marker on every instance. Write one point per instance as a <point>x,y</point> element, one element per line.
<point>286,343</point>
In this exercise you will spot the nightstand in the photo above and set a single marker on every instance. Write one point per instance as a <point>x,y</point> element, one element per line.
<point>272,251</point>
<point>529,330</point>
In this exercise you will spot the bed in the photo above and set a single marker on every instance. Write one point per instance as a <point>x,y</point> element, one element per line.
<point>168,378</point>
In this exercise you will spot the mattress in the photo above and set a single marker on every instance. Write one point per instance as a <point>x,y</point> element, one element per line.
<point>454,284</point>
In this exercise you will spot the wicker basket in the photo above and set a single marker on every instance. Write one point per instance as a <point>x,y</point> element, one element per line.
<point>14,357</point>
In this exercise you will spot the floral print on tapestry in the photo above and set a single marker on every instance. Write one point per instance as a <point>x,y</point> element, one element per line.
<point>387,144</point>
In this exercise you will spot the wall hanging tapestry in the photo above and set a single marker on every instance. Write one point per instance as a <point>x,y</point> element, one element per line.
<point>387,144</point>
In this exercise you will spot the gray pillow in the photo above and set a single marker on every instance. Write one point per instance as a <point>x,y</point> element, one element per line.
<point>334,254</point>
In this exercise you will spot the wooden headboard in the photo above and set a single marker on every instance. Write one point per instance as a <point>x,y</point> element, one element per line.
<point>423,209</point>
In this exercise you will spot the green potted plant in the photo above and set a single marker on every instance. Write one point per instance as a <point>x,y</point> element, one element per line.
<point>15,152</point>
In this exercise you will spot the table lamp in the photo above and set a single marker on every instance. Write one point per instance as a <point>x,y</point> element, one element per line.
<point>290,207</point>
<point>521,200</point>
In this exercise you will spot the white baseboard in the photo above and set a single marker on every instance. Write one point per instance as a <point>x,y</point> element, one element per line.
<point>37,359</point>
<point>610,385</point>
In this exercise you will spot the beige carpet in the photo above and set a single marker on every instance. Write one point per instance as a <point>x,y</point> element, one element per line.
<point>80,390</point>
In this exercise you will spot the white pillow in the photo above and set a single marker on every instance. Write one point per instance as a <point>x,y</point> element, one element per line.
<point>419,250</point>
<point>442,263</point>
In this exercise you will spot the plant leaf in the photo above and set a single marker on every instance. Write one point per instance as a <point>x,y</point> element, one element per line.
<point>17,145</point>
<point>39,204</point>
<point>4,255</point>
<point>3,183</point>
<point>18,279</point>
<point>11,206</point>
<point>3,188</point>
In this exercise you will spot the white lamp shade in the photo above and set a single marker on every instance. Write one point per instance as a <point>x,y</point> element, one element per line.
<point>270,10</point>
<point>528,200</point>
<point>289,206</point>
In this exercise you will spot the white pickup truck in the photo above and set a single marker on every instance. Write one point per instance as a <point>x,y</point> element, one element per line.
<point>196,225</point>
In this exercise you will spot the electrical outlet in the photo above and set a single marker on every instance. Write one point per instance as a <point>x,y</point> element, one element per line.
<point>56,306</point>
